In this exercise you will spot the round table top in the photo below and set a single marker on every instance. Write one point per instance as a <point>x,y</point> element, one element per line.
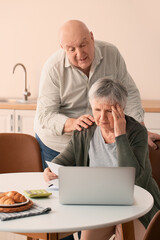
<point>67,218</point>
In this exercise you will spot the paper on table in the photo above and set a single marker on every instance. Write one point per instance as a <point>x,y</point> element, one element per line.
<point>53,185</point>
<point>53,167</point>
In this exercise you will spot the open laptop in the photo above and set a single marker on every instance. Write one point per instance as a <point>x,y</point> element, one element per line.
<point>96,185</point>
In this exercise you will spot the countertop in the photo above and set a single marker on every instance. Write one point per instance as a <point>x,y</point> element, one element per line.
<point>151,105</point>
<point>148,105</point>
<point>18,106</point>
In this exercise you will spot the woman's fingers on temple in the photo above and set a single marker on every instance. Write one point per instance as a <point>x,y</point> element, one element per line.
<point>114,112</point>
<point>120,110</point>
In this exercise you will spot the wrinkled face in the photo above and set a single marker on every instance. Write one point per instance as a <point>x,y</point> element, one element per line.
<point>80,50</point>
<point>102,113</point>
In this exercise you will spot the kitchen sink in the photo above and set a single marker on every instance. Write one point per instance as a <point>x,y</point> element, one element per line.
<point>18,100</point>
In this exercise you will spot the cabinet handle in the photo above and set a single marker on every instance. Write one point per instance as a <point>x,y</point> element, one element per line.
<point>19,123</point>
<point>11,123</point>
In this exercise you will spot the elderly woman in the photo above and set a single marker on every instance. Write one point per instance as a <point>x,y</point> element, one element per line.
<point>113,140</point>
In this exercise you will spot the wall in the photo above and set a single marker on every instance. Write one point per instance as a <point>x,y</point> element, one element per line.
<point>28,34</point>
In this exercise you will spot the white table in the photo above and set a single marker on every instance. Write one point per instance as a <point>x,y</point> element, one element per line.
<point>68,218</point>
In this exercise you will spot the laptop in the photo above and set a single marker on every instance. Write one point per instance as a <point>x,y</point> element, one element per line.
<point>96,185</point>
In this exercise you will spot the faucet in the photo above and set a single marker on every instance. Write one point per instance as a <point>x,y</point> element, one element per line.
<point>26,92</point>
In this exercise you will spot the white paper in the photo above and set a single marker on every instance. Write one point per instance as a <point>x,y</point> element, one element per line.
<point>53,167</point>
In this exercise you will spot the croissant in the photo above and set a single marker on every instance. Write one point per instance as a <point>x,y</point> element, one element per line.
<point>6,200</point>
<point>16,196</point>
<point>1,195</point>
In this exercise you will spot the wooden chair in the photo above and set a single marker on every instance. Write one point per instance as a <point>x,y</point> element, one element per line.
<point>21,153</point>
<point>154,156</point>
<point>153,230</point>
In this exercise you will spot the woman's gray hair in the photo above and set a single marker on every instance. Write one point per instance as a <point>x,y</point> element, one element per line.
<point>113,92</point>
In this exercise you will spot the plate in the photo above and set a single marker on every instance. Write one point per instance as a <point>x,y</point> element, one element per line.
<point>15,204</point>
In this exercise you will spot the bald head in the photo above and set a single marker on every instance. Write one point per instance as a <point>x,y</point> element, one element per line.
<point>78,43</point>
<point>72,30</point>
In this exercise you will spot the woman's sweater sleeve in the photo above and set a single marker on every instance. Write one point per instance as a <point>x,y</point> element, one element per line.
<point>66,157</point>
<point>132,150</point>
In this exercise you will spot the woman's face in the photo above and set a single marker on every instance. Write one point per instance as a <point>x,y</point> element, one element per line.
<point>102,113</point>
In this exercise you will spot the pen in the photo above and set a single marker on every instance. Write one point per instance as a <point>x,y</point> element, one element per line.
<point>51,185</point>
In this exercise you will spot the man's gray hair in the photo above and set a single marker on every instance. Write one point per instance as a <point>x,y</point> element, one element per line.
<point>113,92</point>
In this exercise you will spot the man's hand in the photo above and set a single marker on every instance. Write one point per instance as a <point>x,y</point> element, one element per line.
<point>77,123</point>
<point>119,120</point>
<point>152,137</point>
<point>48,175</point>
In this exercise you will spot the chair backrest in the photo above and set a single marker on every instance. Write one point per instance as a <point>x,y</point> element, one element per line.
<point>154,156</point>
<point>153,230</point>
<point>19,153</point>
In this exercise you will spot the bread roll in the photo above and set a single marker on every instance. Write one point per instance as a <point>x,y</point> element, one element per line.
<point>2,194</point>
<point>6,200</point>
<point>16,196</point>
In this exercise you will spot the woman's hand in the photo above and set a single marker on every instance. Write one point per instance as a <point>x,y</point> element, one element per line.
<point>48,175</point>
<point>119,120</point>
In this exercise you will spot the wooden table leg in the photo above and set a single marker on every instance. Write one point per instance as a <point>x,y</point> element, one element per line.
<point>128,231</point>
<point>52,236</point>
<point>30,238</point>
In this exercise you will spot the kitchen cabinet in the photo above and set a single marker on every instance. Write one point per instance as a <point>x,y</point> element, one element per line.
<point>152,115</point>
<point>17,121</point>
<point>152,121</point>
<point>6,120</point>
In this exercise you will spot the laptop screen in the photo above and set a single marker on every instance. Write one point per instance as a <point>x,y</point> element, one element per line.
<point>96,185</point>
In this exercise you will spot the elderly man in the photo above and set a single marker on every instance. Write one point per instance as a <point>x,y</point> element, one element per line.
<point>66,78</point>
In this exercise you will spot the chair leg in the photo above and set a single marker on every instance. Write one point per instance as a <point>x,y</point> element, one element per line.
<point>52,236</point>
<point>128,231</point>
<point>30,238</point>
